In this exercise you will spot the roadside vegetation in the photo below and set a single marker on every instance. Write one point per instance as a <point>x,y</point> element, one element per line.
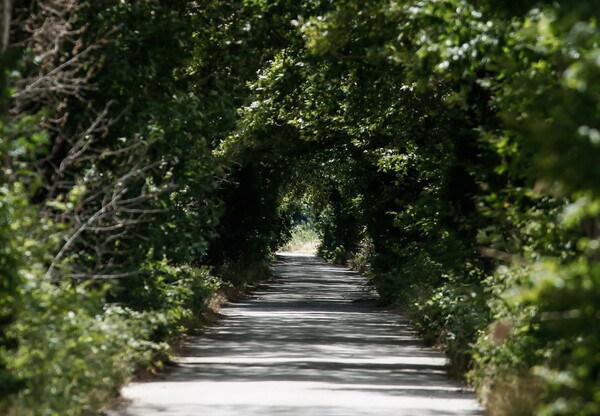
<point>153,153</point>
<point>304,240</point>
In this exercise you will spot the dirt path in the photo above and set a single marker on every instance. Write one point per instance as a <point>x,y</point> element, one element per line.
<point>302,347</point>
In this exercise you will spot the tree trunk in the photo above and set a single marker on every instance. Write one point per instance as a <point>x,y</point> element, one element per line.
<point>6,6</point>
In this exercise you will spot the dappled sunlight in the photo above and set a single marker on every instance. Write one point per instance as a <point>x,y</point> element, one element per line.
<point>303,345</point>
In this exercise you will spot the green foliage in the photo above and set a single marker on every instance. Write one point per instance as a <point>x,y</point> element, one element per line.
<point>545,319</point>
<point>23,248</point>
<point>339,233</point>
<point>107,198</point>
<point>12,216</point>
<point>447,148</point>
<point>456,137</point>
<point>179,293</point>
<point>71,357</point>
<point>452,318</point>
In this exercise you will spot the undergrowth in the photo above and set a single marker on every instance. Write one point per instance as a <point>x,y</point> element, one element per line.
<point>304,239</point>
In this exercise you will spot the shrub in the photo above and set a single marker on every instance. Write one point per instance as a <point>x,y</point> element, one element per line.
<point>544,333</point>
<point>71,356</point>
<point>452,317</point>
<point>74,354</point>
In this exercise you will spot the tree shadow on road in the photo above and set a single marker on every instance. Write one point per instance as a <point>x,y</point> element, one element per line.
<point>303,334</point>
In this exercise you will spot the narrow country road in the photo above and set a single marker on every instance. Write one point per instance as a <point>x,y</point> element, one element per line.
<point>301,346</point>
